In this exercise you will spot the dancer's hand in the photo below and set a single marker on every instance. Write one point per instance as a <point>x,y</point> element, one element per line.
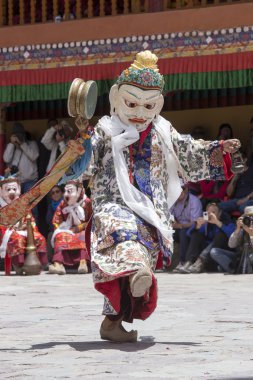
<point>231,146</point>
<point>81,123</point>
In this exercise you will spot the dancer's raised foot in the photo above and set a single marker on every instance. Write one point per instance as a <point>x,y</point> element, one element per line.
<point>140,282</point>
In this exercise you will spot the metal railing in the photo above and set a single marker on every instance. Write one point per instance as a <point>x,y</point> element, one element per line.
<point>20,12</point>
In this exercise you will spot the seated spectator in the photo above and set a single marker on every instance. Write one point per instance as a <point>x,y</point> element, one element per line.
<point>225,132</point>
<point>239,190</point>
<point>240,260</point>
<point>54,199</point>
<point>186,211</point>
<point>210,231</point>
<point>14,240</point>
<point>70,221</point>
<point>212,191</point>
<point>55,139</point>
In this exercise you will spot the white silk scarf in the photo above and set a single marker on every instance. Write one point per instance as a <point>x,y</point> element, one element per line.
<point>124,135</point>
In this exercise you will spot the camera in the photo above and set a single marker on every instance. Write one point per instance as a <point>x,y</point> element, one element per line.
<point>205,215</point>
<point>13,169</point>
<point>61,132</point>
<point>248,220</point>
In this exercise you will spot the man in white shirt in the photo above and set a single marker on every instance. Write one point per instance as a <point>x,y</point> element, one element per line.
<point>21,156</point>
<point>55,139</point>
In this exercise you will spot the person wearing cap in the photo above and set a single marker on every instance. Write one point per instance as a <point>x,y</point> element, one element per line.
<point>55,140</point>
<point>21,156</point>
<point>240,239</point>
<point>138,157</point>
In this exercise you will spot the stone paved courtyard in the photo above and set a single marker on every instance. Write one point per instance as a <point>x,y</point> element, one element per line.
<point>202,329</point>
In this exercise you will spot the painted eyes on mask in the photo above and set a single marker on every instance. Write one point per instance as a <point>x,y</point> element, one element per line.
<point>130,104</point>
<point>149,106</point>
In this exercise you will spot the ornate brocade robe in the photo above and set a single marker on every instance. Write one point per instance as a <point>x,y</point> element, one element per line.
<point>113,221</point>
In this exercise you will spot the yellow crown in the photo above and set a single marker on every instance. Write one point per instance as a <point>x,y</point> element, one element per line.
<point>145,60</point>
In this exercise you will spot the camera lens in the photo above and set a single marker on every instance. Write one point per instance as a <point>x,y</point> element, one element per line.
<point>247,220</point>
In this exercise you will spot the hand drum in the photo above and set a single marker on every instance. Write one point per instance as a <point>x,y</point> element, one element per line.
<point>82,98</point>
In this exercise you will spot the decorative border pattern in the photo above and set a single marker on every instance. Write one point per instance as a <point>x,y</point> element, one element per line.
<point>174,45</point>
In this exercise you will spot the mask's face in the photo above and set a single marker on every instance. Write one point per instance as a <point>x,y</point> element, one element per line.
<point>136,106</point>
<point>10,191</point>
<point>71,194</point>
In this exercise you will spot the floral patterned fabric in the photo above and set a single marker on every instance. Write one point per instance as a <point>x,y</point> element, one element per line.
<point>115,227</point>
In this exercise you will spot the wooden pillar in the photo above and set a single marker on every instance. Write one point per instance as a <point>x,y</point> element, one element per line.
<point>1,13</point>
<point>126,10</point>
<point>135,5</point>
<point>32,5</point>
<point>10,12</point>
<point>55,9</point>
<point>66,10</point>
<point>114,7</point>
<point>78,9</point>
<point>21,12</point>
<point>90,8</point>
<point>44,10</point>
<point>146,6</point>
<point>102,8</point>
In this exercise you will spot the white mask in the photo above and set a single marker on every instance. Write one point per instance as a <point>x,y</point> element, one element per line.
<point>10,191</point>
<point>71,194</point>
<point>135,106</point>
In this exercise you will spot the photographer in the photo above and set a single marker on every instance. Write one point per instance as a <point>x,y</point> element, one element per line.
<point>211,231</point>
<point>242,241</point>
<point>55,139</point>
<point>21,155</point>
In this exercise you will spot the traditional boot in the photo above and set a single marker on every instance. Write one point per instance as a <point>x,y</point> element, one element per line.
<point>114,331</point>
<point>198,266</point>
<point>56,268</point>
<point>140,282</point>
<point>83,268</point>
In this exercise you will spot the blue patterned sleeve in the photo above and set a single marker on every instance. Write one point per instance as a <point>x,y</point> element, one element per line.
<point>93,152</point>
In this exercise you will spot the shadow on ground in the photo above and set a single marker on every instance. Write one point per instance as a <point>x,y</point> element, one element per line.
<point>144,343</point>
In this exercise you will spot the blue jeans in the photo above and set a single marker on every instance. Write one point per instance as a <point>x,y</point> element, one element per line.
<point>183,239</point>
<point>224,258</point>
<point>26,186</point>
<point>231,205</point>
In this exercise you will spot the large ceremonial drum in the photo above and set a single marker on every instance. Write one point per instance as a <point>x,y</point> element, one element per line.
<point>82,98</point>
